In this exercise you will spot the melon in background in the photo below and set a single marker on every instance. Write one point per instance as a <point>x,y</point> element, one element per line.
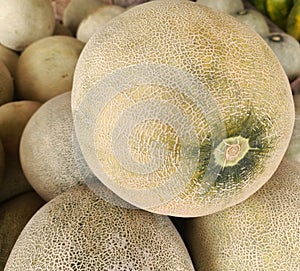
<point>261,233</point>
<point>6,86</point>
<point>80,231</point>
<point>45,69</point>
<point>24,21</point>
<point>14,214</point>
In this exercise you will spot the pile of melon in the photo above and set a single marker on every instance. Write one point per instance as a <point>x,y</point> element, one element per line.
<point>148,135</point>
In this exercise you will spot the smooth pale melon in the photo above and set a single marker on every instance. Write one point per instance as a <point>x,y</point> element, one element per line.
<point>9,58</point>
<point>6,85</point>
<point>53,163</point>
<point>25,21</point>
<point>172,109</point>
<point>14,214</point>
<point>45,69</point>
<point>93,22</point>
<point>13,118</point>
<point>227,6</point>
<point>79,231</point>
<point>261,233</point>
<point>2,162</point>
<point>77,10</point>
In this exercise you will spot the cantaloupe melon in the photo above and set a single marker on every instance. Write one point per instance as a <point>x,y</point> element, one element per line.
<point>53,163</point>
<point>77,10</point>
<point>14,214</point>
<point>9,58</point>
<point>46,67</point>
<point>94,21</point>
<point>261,233</point>
<point>79,231</point>
<point>25,21</point>
<point>172,109</point>
<point>13,118</point>
<point>6,85</point>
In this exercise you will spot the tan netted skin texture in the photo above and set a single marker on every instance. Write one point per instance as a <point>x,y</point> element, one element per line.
<point>158,92</point>
<point>53,163</point>
<point>80,231</point>
<point>261,233</point>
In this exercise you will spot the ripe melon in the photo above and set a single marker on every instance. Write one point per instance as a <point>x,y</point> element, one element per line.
<point>25,21</point>
<point>93,22</point>
<point>172,109</point>
<point>80,231</point>
<point>53,163</point>
<point>6,85</point>
<point>261,233</point>
<point>9,58</point>
<point>13,118</point>
<point>14,214</point>
<point>46,67</point>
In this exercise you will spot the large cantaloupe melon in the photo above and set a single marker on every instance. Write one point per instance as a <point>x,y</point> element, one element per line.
<point>181,109</point>
<point>261,233</point>
<point>80,231</point>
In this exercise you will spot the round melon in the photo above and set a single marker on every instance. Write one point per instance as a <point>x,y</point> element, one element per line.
<point>25,21</point>
<point>227,6</point>
<point>6,86</point>
<point>172,109</point>
<point>261,233</point>
<point>9,58</point>
<point>53,163</point>
<point>2,162</point>
<point>45,69</point>
<point>14,215</point>
<point>79,231</point>
<point>13,118</point>
<point>93,22</point>
<point>77,10</point>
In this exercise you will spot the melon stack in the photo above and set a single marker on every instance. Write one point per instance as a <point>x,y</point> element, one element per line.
<point>146,135</point>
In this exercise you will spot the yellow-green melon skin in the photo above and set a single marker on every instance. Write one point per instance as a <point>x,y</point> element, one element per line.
<point>156,92</point>
<point>14,214</point>
<point>261,233</point>
<point>80,231</point>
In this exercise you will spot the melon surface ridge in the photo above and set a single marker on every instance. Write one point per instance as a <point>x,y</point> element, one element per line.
<point>179,109</point>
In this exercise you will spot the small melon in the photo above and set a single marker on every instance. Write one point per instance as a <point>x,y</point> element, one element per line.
<point>46,67</point>
<point>2,162</point>
<point>25,21</point>
<point>80,231</point>
<point>14,214</point>
<point>9,58</point>
<point>253,19</point>
<point>261,233</point>
<point>172,110</point>
<point>13,118</point>
<point>53,163</point>
<point>6,84</point>
<point>293,151</point>
<point>77,10</point>
<point>287,50</point>
<point>227,6</point>
<point>93,22</point>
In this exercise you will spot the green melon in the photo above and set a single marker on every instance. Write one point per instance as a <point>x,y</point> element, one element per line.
<point>80,231</point>
<point>172,109</point>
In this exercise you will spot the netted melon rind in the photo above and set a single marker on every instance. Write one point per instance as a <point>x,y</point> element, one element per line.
<point>78,230</point>
<point>261,233</point>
